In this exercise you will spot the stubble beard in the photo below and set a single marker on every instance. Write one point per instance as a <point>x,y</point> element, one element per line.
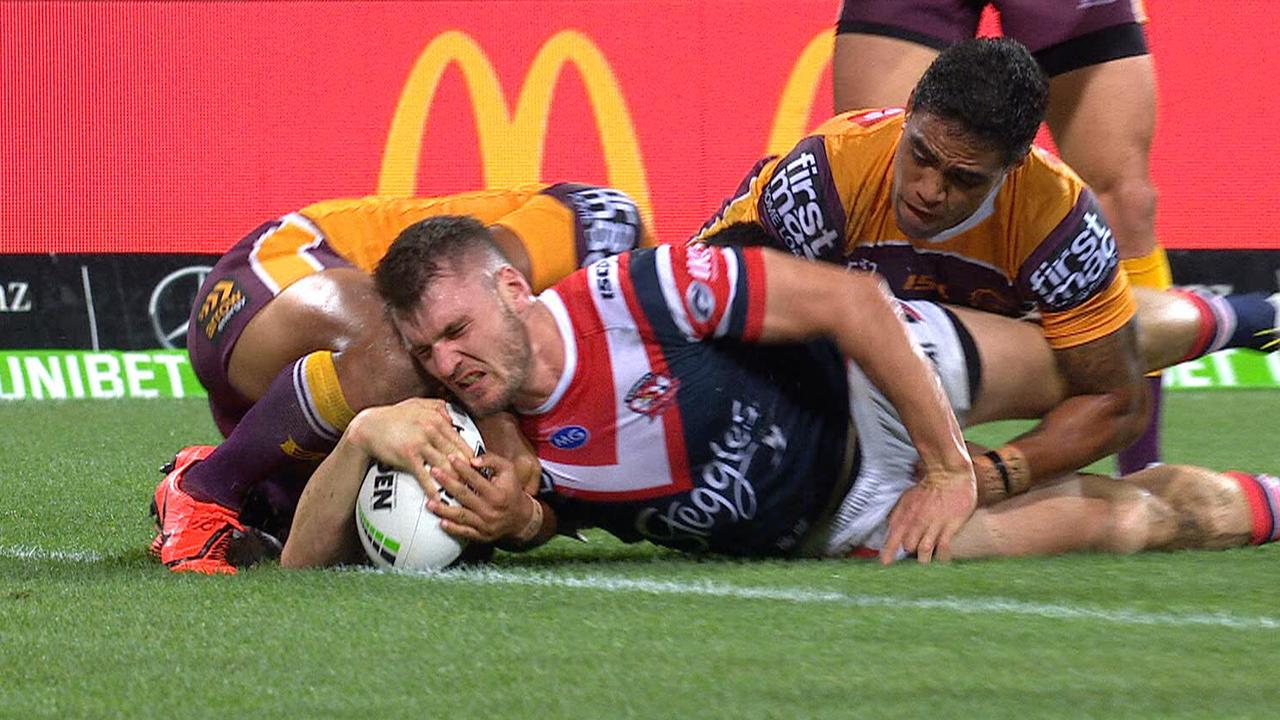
<point>512,363</point>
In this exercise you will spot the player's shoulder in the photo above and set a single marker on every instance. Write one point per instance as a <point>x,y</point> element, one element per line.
<point>859,144</point>
<point>1043,177</point>
<point>866,123</point>
<point>874,131</point>
<point>475,202</point>
<point>1042,192</point>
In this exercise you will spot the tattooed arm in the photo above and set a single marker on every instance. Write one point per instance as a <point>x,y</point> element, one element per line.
<point>1106,409</point>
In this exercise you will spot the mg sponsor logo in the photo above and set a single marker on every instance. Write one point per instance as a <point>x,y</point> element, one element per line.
<point>570,437</point>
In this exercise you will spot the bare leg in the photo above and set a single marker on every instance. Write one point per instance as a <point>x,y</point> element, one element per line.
<point>1103,118</point>
<point>1168,324</point>
<point>872,71</point>
<point>1020,378</point>
<point>313,357</point>
<point>336,310</point>
<point>1162,508</point>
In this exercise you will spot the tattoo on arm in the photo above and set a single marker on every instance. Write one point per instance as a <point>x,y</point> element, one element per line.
<point>1104,365</point>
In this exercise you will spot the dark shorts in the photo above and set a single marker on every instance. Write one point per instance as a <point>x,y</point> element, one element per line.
<point>1062,35</point>
<point>240,285</point>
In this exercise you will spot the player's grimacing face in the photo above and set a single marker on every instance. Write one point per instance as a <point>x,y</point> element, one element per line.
<point>941,175</point>
<point>465,336</point>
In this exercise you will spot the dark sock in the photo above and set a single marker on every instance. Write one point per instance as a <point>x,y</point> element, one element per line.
<point>1255,321</point>
<point>296,422</point>
<point>1146,449</point>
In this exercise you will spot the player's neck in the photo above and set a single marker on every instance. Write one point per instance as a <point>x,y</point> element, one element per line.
<point>546,362</point>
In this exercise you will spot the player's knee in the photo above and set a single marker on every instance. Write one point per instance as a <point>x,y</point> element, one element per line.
<point>1137,521</point>
<point>375,373</point>
<point>1130,205</point>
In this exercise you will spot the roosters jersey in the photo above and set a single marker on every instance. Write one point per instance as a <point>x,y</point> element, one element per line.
<point>669,425</point>
<point>1038,242</point>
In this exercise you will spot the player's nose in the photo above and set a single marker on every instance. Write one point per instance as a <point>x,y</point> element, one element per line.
<point>931,187</point>
<point>447,361</point>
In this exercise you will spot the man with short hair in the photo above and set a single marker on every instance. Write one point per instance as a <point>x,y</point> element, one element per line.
<point>290,339</point>
<point>709,398</point>
<point>948,201</point>
<point>1102,105</point>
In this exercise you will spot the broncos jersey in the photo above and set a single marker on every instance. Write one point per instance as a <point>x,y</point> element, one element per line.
<point>562,227</point>
<point>669,425</point>
<point>1038,243</point>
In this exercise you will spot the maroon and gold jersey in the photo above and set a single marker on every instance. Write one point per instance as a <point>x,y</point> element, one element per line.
<point>561,226</point>
<point>1038,242</point>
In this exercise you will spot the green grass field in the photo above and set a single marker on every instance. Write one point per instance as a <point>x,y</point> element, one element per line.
<point>91,627</point>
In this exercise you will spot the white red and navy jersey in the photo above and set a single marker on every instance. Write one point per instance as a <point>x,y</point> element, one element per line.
<point>670,424</point>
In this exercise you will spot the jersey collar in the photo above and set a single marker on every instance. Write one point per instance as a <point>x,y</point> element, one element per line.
<point>983,212</point>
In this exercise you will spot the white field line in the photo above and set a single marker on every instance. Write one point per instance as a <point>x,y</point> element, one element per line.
<point>29,552</point>
<point>802,596</point>
<point>966,606</point>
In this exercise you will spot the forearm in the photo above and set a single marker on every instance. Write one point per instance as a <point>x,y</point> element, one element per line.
<point>323,531</point>
<point>856,311</point>
<point>1081,430</point>
<point>1105,408</point>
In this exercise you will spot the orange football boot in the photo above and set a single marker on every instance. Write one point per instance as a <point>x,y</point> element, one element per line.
<point>193,536</point>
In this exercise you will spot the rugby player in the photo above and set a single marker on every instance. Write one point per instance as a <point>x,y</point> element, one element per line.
<point>1102,106</point>
<point>709,398</point>
<point>1173,326</point>
<point>948,201</point>
<point>289,337</point>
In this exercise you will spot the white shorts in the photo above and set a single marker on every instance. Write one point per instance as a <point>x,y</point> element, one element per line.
<point>888,459</point>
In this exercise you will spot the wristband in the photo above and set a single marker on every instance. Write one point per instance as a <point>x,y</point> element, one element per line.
<point>534,525</point>
<point>1001,468</point>
<point>1012,466</point>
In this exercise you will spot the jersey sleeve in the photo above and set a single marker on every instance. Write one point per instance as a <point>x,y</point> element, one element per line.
<point>699,291</point>
<point>361,229</point>
<point>569,226</point>
<point>800,205</point>
<point>795,198</point>
<point>1075,279</point>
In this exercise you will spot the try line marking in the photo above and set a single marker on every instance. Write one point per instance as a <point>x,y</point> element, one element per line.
<point>803,596</point>
<point>30,552</point>
<point>967,606</point>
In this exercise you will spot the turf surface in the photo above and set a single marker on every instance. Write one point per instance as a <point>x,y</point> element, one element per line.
<point>90,627</point>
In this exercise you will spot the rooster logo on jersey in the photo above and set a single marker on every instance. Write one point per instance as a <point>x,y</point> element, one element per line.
<point>652,394</point>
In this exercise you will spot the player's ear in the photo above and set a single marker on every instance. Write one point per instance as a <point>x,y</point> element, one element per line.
<point>513,287</point>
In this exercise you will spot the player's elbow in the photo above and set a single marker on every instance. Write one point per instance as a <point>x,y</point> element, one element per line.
<point>1129,409</point>
<point>292,558</point>
<point>301,552</point>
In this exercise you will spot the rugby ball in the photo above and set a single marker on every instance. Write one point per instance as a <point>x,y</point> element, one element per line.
<point>393,522</point>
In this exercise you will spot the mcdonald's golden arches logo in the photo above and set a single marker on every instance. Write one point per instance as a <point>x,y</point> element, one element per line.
<point>512,144</point>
